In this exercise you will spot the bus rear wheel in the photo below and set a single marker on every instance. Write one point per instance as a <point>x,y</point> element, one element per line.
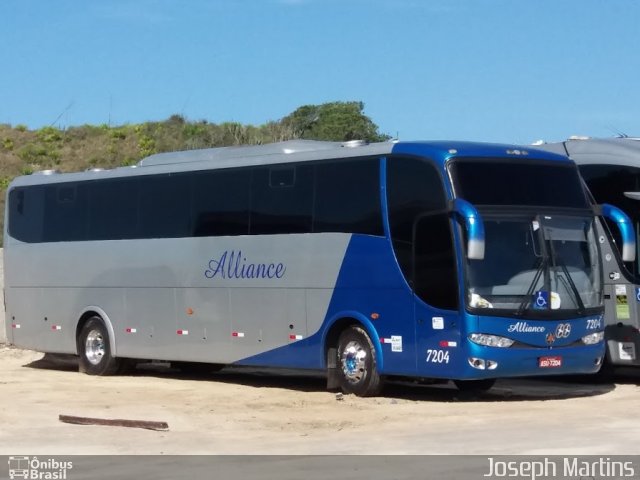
<point>95,350</point>
<point>357,365</point>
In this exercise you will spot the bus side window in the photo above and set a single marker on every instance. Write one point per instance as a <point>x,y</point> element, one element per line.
<point>113,212</point>
<point>347,197</point>
<point>221,202</point>
<point>164,204</point>
<point>19,201</point>
<point>65,216</point>
<point>283,176</point>
<point>281,199</point>
<point>26,214</point>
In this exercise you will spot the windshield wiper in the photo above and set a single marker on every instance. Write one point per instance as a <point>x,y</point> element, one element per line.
<point>527,299</point>
<point>578,300</point>
<point>557,260</point>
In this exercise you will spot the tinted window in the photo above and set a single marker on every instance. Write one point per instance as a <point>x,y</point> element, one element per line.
<point>435,265</point>
<point>283,176</point>
<point>413,187</point>
<point>347,197</point>
<point>113,212</point>
<point>65,212</point>
<point>336,197</point>
<point>281,200</point>
<point>26,213</point>
<point>608,183</point>
<point>165,202</point>
<point>221,203</point>
<point>510,182</point>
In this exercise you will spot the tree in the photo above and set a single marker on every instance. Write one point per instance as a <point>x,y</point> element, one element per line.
<point>337,121</point>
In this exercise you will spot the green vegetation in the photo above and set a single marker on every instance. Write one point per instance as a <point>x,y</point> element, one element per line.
<point>23,151</point>
<point>332,121</point>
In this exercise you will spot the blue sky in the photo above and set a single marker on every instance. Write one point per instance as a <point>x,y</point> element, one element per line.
<point>489,70</point>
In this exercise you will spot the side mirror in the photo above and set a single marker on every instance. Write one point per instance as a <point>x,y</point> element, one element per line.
<point>625,225</point>
<point>474,226</point>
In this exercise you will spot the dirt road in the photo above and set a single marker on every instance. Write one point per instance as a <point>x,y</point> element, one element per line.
<point>239,412</point>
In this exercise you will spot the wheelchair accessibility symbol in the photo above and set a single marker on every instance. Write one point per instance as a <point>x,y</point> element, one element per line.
<point>541,300</point>
<point>638,294</point>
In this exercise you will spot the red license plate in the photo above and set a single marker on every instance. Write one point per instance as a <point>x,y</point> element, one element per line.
<point>549,362</point>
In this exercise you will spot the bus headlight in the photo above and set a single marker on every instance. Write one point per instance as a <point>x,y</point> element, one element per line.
<point>593,338</point>
<point>490,340</point>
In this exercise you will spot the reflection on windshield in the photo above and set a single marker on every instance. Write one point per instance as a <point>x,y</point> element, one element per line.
<point>540,264</point>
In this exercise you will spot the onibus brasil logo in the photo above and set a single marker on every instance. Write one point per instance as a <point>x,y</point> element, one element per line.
<point>33,468</point>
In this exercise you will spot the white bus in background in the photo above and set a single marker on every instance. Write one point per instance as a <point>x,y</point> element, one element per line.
<point>611,169</point>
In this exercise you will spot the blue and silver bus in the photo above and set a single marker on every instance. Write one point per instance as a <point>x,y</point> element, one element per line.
<point>611,169</point>
<point>431,260</point>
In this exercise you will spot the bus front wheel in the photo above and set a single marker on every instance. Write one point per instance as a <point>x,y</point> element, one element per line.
<point>357,364</point>
<point>94,349</point>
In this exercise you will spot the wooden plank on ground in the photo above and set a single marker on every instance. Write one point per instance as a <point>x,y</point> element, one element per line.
<point>149,425</point>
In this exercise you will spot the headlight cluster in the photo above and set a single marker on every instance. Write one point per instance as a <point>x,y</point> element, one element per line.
<point>593,338</point>
<point>490,340</point>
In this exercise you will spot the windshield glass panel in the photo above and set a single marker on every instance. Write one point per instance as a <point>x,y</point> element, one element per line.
<point>514,182</point>
<point>541,266</point>
<point>615,184</point>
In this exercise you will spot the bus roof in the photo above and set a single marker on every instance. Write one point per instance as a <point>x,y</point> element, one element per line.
<point>598,151</point>
<point>289,152</point>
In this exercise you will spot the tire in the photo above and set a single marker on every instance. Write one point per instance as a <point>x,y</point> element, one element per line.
<point>357,365</point>
<point>475,385</point>
<point>94,349</point>
<point>607,371</point>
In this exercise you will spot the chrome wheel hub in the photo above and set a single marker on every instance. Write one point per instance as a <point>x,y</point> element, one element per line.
<point>352,360</point>
<point>94,347</point>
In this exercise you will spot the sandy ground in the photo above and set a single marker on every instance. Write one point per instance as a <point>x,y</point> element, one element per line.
<point>248,412</point>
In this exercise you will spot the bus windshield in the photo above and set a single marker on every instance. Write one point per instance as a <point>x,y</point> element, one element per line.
<point>617,184</point>
<point>543,266</point>
<point>538,263</point>
<point>513,182</point>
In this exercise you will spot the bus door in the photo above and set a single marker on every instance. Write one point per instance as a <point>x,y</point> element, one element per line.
<point>435,289</point>
<point>421,231</point>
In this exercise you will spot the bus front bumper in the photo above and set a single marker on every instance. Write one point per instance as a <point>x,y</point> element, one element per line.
<point>494,362</point>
